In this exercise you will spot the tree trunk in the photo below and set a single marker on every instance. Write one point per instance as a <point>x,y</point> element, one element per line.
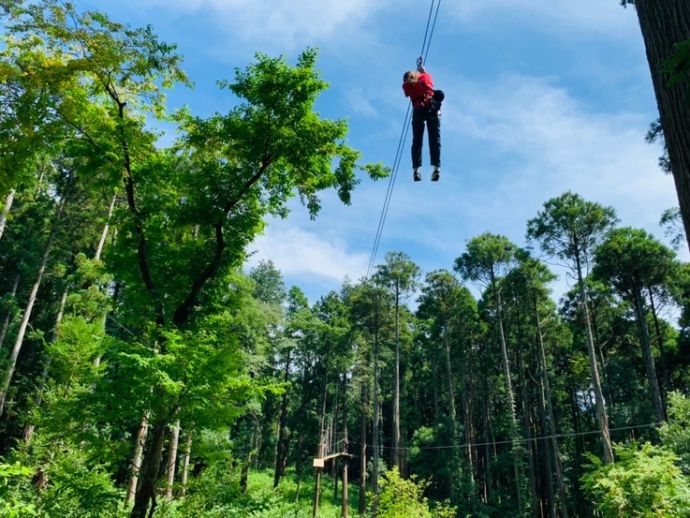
<point>137,457</point>
<point>97,257</point>
<point>321,451</point>
<point>185,464</point>
<point>30,427</point>
<point>106,228</point>
<point>467,423</point>
<point>582,507</point>
<point>149,472</point>
<point>605,388</point>
<point>254,449</point>
<point>375,432</point>
<point>527,434</point>
<point>510,392</point>
<point>488,475</point>
<point>282,444</point>
<point>648,358</point>
<point>434,394</point>
<point>403,434</point>
<point>664,23</point>
<point>449,379</point>
<point>8,316</point>
<point>299,466</point>
<point>60,314</point>
<point>244,474</point>
<point>345,504</point>
<point>547,402</point>
<point>19,340</point>
<point>317,492</point>
<point>262,444</point>
<point>363,450</point>
<point>453,420</point>
<point>397,452</point>
<point>172,460</point>
<point>600,403</point>
<point>548,456</point>
<point>332,440</point>
<point>6,211</point>
<point>665,384</point>
<point>104,326</point>
<point>506,361</point>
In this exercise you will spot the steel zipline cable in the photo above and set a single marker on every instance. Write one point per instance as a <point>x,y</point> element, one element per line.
<point>521,440</point>
<point>426,43</point>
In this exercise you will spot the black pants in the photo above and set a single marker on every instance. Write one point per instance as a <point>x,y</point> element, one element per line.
<point>420,118</point>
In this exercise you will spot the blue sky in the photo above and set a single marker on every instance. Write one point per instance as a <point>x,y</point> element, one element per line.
<point>541,97</point>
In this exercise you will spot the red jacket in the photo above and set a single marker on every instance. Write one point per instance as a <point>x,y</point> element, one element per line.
<point>420,92</point>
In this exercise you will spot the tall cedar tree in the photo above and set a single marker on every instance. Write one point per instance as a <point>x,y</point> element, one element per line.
<point>570,227</point>
<point>665,26</point>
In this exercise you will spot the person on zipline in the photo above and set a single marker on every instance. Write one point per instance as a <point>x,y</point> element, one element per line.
<point>426,110</point>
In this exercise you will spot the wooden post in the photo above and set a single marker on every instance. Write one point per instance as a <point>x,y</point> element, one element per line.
<point>346,450</point>
<point>318,465</point>
<point>345,495</point>
<point>363,451</point>
<point>317,490</point>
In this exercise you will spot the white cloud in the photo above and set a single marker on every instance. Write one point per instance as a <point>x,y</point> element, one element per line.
<point>300,253</point>
<point>360,103</point>
<point>559,143</point>
<point>282,23</point>
<point>602,16</point>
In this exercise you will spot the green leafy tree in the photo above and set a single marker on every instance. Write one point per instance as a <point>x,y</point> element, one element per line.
<point>487,259</point>
<point>370,313</point>
<point>675,433</point>
<point>400,498</point>
<point>644,482</point>
<point>15,492</point>
<point>211,193</point>
<point>449,325</point>
<point>167,280</point>
<point>569,227</point>
<point>632,260</point>
<point>400,275</point>
<point>60,202</point>
<point>527,289</point>
<point>269,292</point>
<point>270,287</point>
<point>672,223</point>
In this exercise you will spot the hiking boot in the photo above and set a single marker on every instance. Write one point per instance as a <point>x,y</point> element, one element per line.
<point>417,177</point>
<point>436,175</point>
